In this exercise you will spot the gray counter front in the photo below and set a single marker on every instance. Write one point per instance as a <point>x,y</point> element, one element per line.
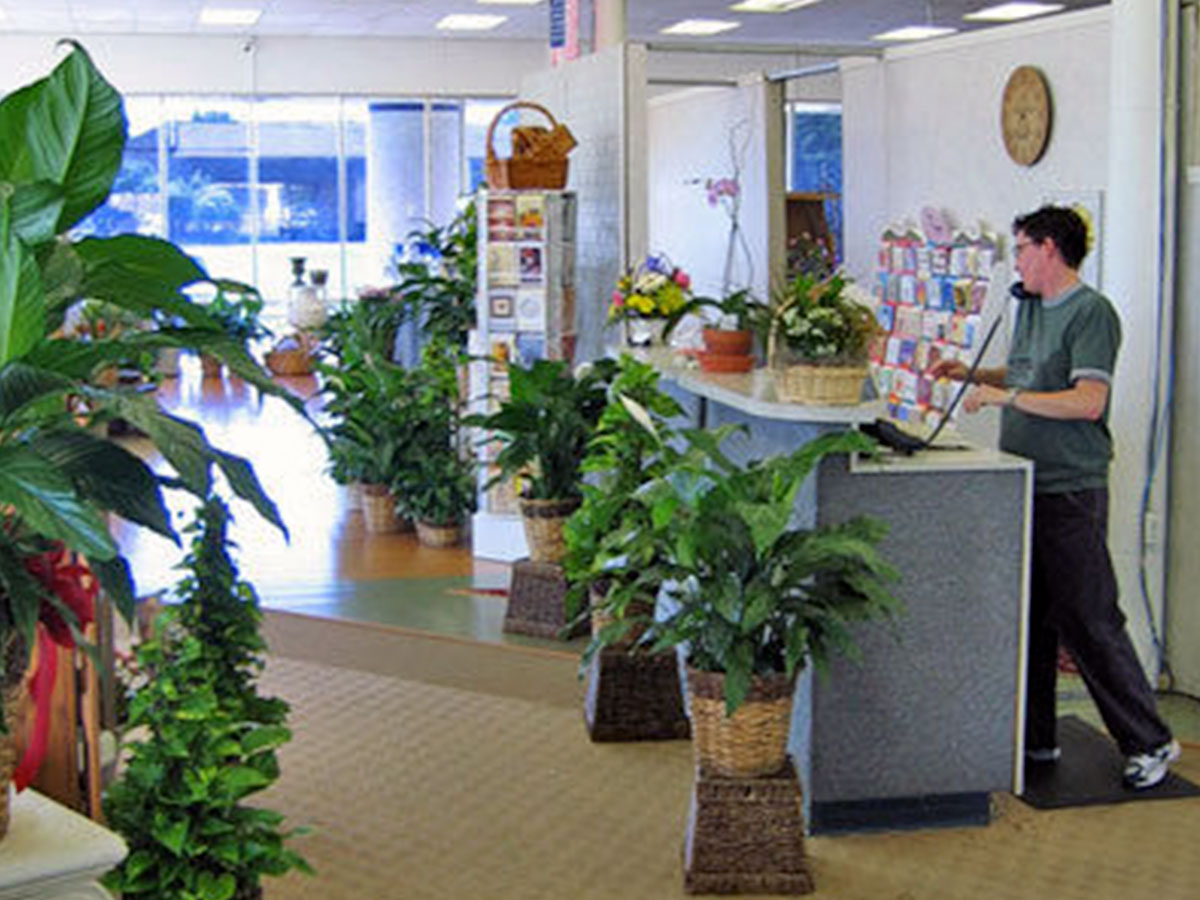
<point>928,723</point>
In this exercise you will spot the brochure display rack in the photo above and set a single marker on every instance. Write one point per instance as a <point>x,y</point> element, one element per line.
<point>525,311</point>
<point>931,291</point>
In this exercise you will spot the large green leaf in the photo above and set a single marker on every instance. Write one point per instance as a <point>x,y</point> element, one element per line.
<point>245,484</point>
<point>108,475</point>
<point>181,443</point>
<point>36,210</point>
<point>22,307</point>
<point>22,384</point>
<point>142,274</point>
<point>68,128</point>
<point>46,500</point>
<point>117,581</point>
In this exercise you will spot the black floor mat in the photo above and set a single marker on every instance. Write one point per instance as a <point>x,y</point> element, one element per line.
<point>1089,773</point>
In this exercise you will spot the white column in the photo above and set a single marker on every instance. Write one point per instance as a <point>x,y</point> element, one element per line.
<point>1132,279</point>
<point>611,22</point>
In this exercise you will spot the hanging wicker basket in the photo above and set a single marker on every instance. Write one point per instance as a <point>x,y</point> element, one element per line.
<point>543,521</point>
<point>539,157</point>
<point>820,385</point>
<point>753,741</point>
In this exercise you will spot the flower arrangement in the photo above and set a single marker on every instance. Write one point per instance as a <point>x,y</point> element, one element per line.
<point>822,321</point>
<point>656,289</point>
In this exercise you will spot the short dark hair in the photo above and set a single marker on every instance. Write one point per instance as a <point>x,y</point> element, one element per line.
<point>1062,225</point>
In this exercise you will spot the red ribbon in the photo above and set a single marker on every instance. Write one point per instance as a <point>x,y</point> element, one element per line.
<point>67,576</point>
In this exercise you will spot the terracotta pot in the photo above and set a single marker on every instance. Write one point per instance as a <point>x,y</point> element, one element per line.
<point>753,741</point>
<point>723,363</point>
<point>728,343</point>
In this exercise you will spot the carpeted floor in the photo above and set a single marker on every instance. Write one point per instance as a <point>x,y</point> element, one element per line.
<point>443,769</point>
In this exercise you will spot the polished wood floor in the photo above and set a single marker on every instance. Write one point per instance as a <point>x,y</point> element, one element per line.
<point>327,548</point>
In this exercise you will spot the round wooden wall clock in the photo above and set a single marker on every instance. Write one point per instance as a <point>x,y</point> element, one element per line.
<point>1025,115</point>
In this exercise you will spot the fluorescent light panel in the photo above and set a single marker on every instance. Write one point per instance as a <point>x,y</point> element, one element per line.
<point>470,22</point>
<point>509,2</point>
<point>228,15</point>
<point>913,33</point>
<point>701,27</point>
<point>771,6</point>
<point>1011,12</point>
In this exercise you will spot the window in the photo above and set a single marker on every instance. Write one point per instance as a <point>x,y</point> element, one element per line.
<point>244,184</point>
<point>815,158</point>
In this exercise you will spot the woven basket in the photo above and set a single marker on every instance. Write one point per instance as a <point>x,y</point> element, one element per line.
<point>8,753</point>
<point>750,743</point>
<point>544,527</point>
<point>379,510</point>
<point>548,172</point>
<point>820,385</point>
<point>439,535</point>
<point>635,609</point>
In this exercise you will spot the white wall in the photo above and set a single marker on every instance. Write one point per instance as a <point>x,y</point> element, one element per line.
<point>695,135</point>
<point>602,99</point>
<point>285,65</point>
<point>921,127</point>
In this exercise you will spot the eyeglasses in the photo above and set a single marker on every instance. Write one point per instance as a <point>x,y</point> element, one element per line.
<point>1021,245</point>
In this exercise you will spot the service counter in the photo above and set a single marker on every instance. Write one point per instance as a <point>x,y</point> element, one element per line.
<point>929,722</point>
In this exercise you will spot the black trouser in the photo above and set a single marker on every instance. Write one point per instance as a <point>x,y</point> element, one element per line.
<point>1074,599</point>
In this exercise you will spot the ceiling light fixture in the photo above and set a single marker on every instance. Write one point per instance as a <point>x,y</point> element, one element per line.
<point>913,33</point>
<point>771,6</point>
<point>509,2</point>
<point>228,15</point>
<point>1011,12</point>
<point>470,22</point>
<point>701,27</point>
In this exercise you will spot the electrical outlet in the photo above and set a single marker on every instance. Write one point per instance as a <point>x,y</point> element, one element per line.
<point>1152,530</point>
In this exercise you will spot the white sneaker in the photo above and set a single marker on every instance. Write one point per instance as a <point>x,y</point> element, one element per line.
<point>1145,770</point>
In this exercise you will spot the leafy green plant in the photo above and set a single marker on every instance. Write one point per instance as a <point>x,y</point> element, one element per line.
<point>441,297</point>
<point>752,596</point>
<point>61,142</point>
<point>633,443</point>
<point>818,321</point>
<point>210,742</point>
<point>238,308</point>
<point>737,311</point>
<point>546,423</point>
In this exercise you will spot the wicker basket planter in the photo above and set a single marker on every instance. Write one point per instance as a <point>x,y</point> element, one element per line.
<point>601,618</point>
<point>543,521</point>
<point>820,385</point>
<point>8,753</point>
<point>291,355</point>
<point>439,535</point>
<point>379,510</point>
<point>753,741</point>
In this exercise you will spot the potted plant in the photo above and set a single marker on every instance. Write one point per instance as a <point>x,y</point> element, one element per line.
<point>611,574</point>
<point>437,484</point>
<point>751,599</point>
<point>236,308</point>
<point>819,339</point>
<point>544,427</point>
<point>646,298</point>
<point>438,288</point>
<point>729,340</point>
<point>58,479</point>
<point>206,742</point>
